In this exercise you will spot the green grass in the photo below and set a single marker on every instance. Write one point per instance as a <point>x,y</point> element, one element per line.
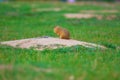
<point>18,21</point>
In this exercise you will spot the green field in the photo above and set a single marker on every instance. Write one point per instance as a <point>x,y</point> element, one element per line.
<point>20,20</point>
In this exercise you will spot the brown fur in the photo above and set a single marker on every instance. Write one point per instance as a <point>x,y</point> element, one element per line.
<point>62,33</point>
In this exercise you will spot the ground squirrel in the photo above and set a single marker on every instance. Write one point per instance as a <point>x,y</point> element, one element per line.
<point>62,33</point>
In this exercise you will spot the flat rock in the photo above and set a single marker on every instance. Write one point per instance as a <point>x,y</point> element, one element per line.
<point>48,43</point>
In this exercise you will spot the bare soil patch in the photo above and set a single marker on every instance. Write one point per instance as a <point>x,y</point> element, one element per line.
<point>87,16</point>
<point>48,43</point>
<point>99,11</point>
<point>9,67</point>
<point>96,3</point>
<point>77,15</point>
<point>45,9</point>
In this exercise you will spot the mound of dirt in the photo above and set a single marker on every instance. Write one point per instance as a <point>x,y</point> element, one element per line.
<point>48,43</point>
